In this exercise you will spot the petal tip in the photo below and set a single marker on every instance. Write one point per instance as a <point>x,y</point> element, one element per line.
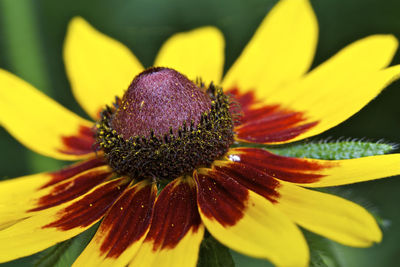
<point>77,21</point>
<point>78,27</point>
<point>212,30</point>
<point>390,39</point>
<point>375,236</point>
<point>387,44</point>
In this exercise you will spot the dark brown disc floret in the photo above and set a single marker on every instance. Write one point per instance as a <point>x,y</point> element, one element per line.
<point>165,126</point>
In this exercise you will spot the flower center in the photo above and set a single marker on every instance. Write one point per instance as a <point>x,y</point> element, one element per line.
<point>165,126</point>
<point>159,99</point>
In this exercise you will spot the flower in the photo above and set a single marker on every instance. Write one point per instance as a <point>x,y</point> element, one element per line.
<point>248,198</point>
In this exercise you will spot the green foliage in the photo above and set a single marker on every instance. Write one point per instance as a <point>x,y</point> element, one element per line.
<point>321,251</point>
<point>334,150</point>
<point>65,253</point>
<point>214,254</point>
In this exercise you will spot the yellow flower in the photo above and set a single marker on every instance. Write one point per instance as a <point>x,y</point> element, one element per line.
<point>247,198</point>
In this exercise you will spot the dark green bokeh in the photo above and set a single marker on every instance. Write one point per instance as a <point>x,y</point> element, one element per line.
<point>31,40</point>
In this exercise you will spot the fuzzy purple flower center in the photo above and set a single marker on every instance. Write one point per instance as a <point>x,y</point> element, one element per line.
<point>158,100</point>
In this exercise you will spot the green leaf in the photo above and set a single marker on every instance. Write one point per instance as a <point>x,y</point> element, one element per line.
<point>214,254</point>
<point>242,260</point>
<point>65,253</point>
<point>316,260</point>
<point>334,150</point>
<point>321,251</point>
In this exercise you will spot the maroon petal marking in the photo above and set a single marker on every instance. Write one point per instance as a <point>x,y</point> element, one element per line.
<point>81,143</point>
<point>273,122</point>
<point>267,123</point>
<point>90,208</point>
<point>75,169</point>
<point>293,170</point>
<point>221,197</point>
<point>252,178</point>
<point>175,213</point>
<point>259,113</point>
<point>128,220</point>
<point>244,99</point>
<point>282,133</point>
<point>72,188</point>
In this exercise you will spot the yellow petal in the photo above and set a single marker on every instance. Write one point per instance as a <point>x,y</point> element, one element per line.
<point>314,172</point>
<point>280,52</point>
<point>123,229</point>
<point>176,230</point>
<point>14,194</point>
<point>333,217</point>
<point>247,222</point>
<point>99,68</point>
<point>21,197</point>
<point>185,253</point>
<point>197,54</point>
<point>341,86</point>
<point>350,171</point>
<point>40,123</point>
<point>59,223</point>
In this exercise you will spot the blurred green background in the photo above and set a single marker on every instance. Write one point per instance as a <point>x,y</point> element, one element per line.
<point>31,41</point>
